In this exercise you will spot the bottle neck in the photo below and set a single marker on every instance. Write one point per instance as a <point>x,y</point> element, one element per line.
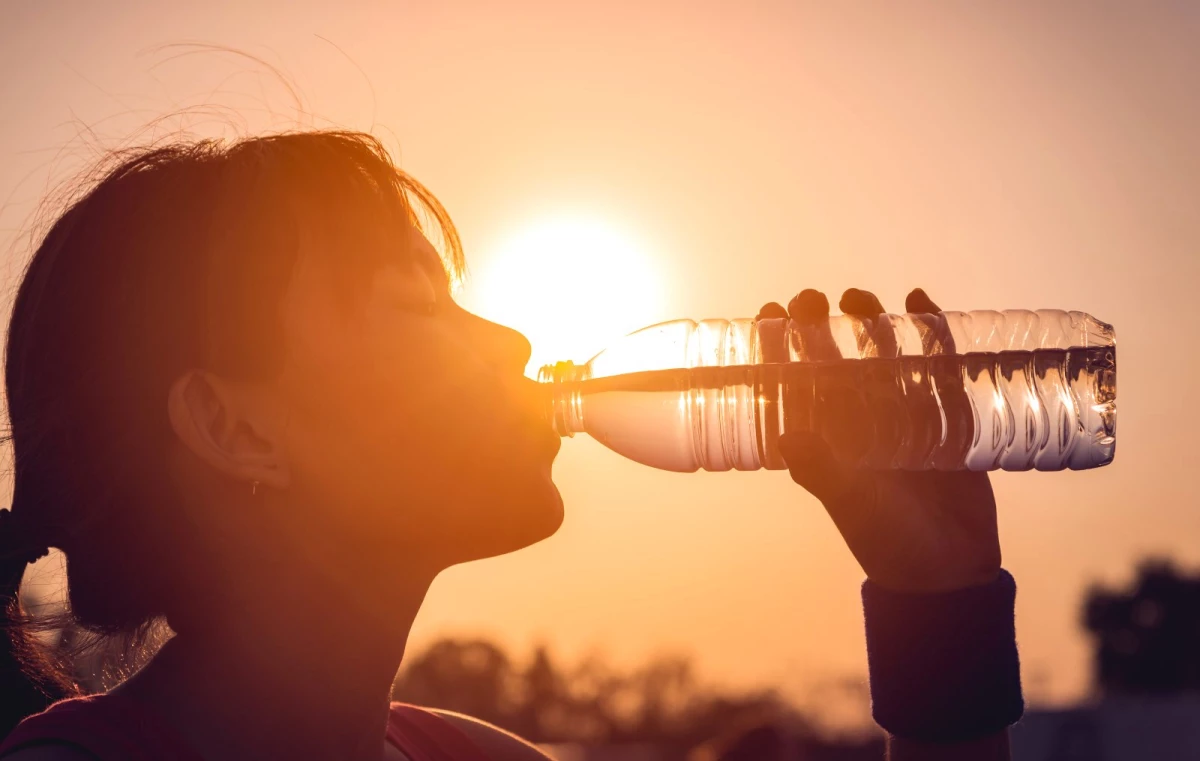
<point>564,404</point>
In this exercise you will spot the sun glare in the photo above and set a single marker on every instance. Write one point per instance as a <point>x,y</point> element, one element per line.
<point>571,284</point>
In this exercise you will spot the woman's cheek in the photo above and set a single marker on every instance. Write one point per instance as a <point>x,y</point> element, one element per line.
<point>406,376</point>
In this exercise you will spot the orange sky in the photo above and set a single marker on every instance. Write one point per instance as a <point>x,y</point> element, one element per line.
<point>1008,156</point>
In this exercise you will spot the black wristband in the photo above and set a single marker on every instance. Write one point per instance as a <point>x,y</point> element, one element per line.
<point>944,666</point>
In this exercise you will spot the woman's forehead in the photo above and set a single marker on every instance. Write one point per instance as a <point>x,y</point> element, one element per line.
<point>353,262</point>
<point>322,284</point>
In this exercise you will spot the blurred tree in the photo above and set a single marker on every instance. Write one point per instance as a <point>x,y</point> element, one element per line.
<point>1147,637</point>
<point>473,676</point>
<point>662,695</point>
<point>592,703</point>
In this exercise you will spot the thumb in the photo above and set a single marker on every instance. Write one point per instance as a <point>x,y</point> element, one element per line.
<point>812,464</point>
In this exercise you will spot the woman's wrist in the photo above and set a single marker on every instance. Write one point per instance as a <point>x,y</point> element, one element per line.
<point>991,748</point>
<point>938,582</point>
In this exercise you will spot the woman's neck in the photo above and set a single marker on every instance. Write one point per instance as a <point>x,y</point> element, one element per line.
<point>286,676</point>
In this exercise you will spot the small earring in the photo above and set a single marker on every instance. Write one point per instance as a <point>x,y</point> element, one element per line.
<point>254,489</point>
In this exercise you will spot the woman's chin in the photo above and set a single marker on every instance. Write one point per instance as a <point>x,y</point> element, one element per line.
<point>519,520</point>
<point>534,518</point>
<point>492,511</point>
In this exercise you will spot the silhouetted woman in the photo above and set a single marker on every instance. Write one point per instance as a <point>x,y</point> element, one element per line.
<point>243,402</point>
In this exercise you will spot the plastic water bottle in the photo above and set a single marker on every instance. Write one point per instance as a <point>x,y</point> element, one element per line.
<point>984,390</point>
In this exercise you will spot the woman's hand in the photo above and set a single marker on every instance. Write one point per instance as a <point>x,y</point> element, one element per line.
<point>911,531</point>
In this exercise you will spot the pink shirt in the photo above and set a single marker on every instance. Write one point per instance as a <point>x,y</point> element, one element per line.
<point>117,728</point>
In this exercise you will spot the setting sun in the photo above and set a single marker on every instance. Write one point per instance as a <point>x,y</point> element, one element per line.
<point>569,283</point>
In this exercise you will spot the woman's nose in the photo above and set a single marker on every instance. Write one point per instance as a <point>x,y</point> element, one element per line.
<point>503,347</point>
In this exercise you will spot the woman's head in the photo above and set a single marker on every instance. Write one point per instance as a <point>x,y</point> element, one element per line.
<point>221,349</point>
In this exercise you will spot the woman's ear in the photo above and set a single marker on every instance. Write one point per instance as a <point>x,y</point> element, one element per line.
<point>220,423</point>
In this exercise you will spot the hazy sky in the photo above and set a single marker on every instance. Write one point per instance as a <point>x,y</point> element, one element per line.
<point>1013,155</point>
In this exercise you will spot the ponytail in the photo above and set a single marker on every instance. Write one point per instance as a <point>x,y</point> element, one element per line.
<point>29,682</point>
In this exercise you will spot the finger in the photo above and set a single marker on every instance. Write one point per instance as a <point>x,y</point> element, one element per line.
<point>809,306</point>
<point>861,304</point>
<point>918,302</point>
<point>772,311</point>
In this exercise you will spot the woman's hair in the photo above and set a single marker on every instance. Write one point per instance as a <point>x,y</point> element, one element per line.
<point>171,258</point>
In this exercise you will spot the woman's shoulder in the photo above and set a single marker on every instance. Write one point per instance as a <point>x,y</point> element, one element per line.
<point>101,728</point>
<point>97,728</point>
<point>459,736</point>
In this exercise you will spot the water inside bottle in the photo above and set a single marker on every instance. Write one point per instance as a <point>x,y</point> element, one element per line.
<point>1047,409</point>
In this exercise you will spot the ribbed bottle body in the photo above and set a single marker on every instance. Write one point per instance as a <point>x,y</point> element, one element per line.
<point>1013,390</point>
